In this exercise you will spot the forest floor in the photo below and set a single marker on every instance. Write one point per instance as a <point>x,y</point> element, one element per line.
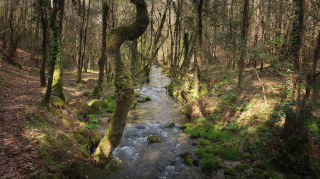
<point>26,128</point>
<point>20,98</point>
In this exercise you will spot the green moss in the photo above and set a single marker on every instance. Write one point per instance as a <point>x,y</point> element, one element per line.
<point>136,94</point>
<point>254,157</point>
<point>184,126</point>
<point>209,149</point>
<point>230,171</point>
<point>96,92</point>
<point>141,100</point>
<point>96,137</point>
<point>255,176</point>
<point>96,107</point>
<point>258,171</point>
<point>188,159</point>
<point>200,152</point>
<point>134,103</point>
<point>58,103</point>
<point>82,140</point>
<point>153,139</point>
<point>241,167</point>
<point>227,153</point>
<point>204,142</point>
<point>171,125</point>
<point>210,163</point>
<point>110,110</point>
<point>213,134</point>
<point>246,155</point>
<point>147,98</point>
<point>292,176</point>
<point>260,165</point>
<point>57,83</point>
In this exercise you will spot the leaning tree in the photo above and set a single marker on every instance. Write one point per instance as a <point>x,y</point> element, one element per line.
<point>123,83</point>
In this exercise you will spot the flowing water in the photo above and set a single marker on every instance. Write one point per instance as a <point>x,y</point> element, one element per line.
<point>158,160</point>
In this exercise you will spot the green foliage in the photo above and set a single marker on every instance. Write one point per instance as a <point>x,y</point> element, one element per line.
<point>188,159</point>
<point>230,171</point>
<point>114,165</point>
<point>204,142</point>
<point>221,135</point>
<point>210,163</point>
<point>209,149</point>
<point>241,167</point>
<point>227,153</point>
<point>260,165</point>
<point>200,152</point>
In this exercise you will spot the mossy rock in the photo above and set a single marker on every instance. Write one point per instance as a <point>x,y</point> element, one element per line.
<point>136,94</point>
<point>260,165</point>
<point>58,103</point>
<point>244,162</point>
<point>292,176</point>
<point>230,171</point>
<point>188,159</point>
<point>258,171</point>
<point>255,176</point>
<point>96,92</point>
<point>153,139</point>
<point>254,157</point>
<point>134,103</point>
<point>81,140</point>
<point>241,167</point>
<point>96,107</point>
<point>246,155</point>
<point>171,125</point>
<point>141,100</point>
<point>96,138</point>
<point>147,98</point>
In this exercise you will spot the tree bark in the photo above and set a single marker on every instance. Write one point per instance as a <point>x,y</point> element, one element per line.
<point>97,90</point>
<point>123,83</point>
<point>43,17</point>
<point>243,40</point>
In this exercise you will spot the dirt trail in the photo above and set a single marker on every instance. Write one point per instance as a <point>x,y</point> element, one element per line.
<point>20,92</point>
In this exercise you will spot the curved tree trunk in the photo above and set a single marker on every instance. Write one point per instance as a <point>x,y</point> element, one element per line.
<point>123,83</point>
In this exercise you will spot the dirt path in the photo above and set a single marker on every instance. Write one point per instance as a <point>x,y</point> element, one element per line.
<point>20,92</point>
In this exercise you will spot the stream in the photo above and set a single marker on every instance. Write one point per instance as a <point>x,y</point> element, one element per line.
<point>157,160</point>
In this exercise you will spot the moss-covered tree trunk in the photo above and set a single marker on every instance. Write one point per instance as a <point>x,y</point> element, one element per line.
<point>97,89</point>
<point>55,50</point>
<point>243,40</point>
<point>123,83</point>
<point>58,72</point>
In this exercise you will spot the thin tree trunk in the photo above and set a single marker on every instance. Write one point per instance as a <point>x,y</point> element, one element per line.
<point>43,17</point>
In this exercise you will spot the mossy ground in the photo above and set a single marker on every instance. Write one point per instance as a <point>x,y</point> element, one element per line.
<point>241,124</point>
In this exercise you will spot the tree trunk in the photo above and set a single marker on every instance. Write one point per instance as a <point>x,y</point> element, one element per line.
<point>97,90</point>
<point>295,44</point>
<point>55,50</point>
<point>43,17</point>
<point>243,40</point>
<point>123,83</point>
<point>58,72</point>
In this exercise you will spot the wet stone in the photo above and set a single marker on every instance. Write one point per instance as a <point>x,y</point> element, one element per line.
<point>171,163</point>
